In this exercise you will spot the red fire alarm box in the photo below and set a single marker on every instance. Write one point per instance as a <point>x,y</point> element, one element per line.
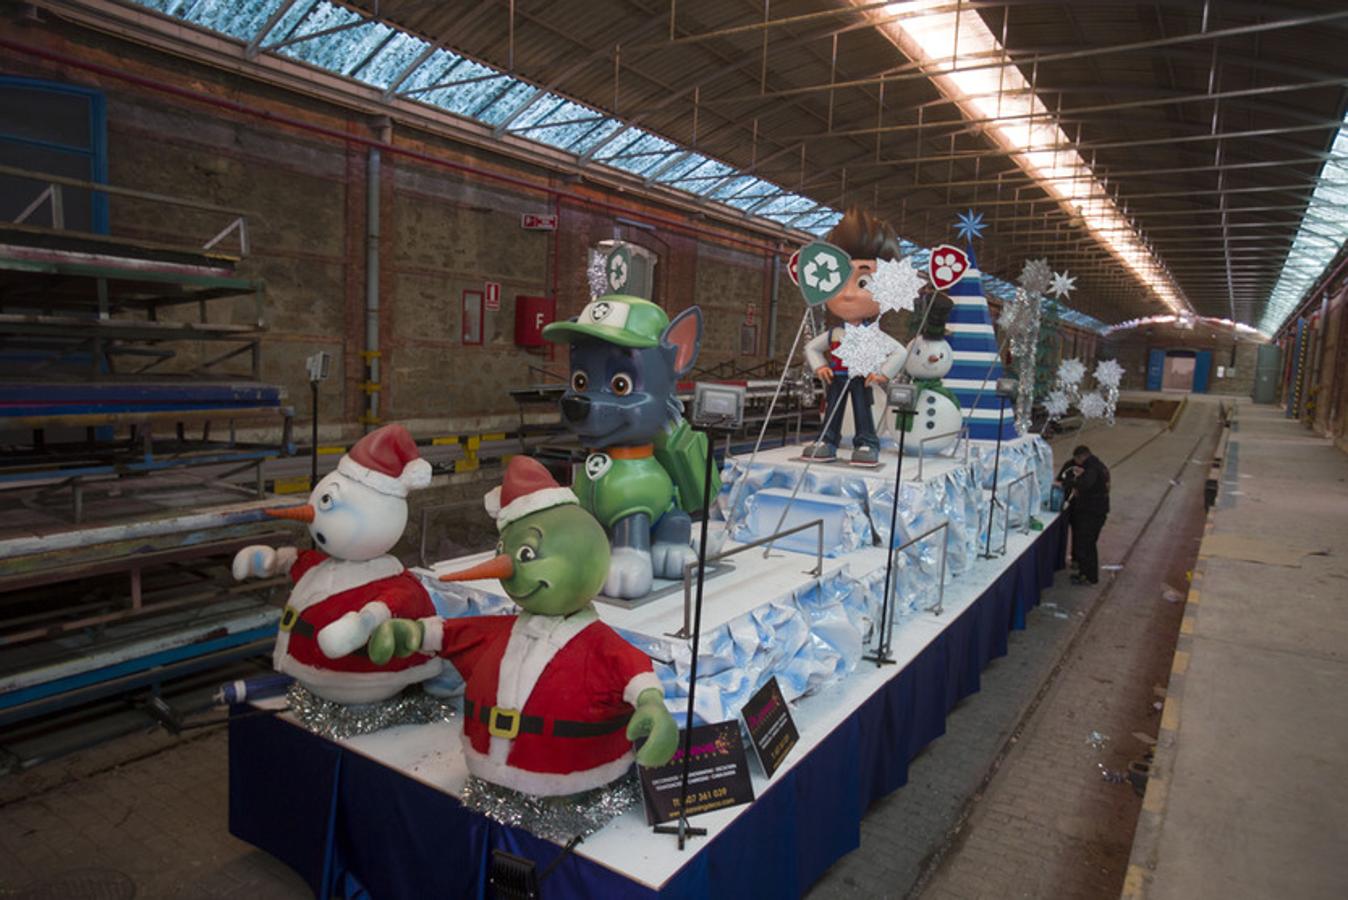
<point>531,314</point>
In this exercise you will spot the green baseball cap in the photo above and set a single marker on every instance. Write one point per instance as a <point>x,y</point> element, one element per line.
<point>615,318</point>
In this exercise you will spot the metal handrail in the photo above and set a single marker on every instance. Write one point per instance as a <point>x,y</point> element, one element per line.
<point>1006,522</point>
<point>691,566</point>
<point>922,444</point>
<point>939,606</point>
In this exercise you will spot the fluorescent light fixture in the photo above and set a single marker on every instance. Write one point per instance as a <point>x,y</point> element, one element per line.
<point>1311,251</point>
<point>941,42</point>
<point>1186,321</point>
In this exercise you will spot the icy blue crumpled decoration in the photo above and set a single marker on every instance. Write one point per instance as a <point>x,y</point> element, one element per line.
<point>846,527</point>
<point>1024,457</point>
<point>807,640</point>
<point>739,482</point>
<point>453,600</point>
<point>957,497</point>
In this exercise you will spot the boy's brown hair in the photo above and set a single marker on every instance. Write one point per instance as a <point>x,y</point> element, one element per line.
<point>863,236</point>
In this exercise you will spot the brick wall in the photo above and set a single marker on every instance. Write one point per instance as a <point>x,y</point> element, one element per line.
<point>443,232</point>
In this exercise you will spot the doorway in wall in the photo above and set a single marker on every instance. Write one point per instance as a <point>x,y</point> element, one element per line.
<point>1178,374</point>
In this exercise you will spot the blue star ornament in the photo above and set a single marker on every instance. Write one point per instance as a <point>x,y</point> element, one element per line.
<point>970,225</point>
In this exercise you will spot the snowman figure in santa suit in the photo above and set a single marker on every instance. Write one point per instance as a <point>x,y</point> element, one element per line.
<point>553,697</point>
<point>350,583</point>
<point>938,409</point>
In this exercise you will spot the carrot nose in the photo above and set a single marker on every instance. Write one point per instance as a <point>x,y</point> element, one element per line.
<point>303,513</point>
<point>499,567</point>
<point>933,359</point>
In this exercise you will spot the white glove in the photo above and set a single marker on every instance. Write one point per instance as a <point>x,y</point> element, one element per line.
<point>261,561</point>
<point>351,632</point>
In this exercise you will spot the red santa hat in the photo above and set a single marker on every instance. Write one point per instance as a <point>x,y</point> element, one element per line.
<point>387,460</point>
<point>528,488</point>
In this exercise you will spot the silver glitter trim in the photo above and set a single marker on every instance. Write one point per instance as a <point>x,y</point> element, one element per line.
<point>556,819</point>
<point>334,720</point>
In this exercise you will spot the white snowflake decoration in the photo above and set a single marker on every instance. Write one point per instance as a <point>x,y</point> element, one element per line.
<point>1108,373</point>
<point>1062,285</point>
<point>597,275</point>
<point>1070,372</point>
<point>864,348</point>
<point>1093,406</point>
<point>895,284</point>
<point>1035,275</point>
<point>1056,404</point>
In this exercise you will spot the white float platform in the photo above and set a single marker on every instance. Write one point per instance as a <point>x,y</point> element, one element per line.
<point>431,754</point>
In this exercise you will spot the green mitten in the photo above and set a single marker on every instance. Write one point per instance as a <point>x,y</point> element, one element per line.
<point>396,637</point>
<point>652,721</point>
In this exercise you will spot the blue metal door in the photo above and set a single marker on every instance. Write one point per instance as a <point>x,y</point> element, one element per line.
<point>1202,370</point>
<point>1155,369</point>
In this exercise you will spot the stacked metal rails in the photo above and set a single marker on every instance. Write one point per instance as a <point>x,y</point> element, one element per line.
<point>134,432</point>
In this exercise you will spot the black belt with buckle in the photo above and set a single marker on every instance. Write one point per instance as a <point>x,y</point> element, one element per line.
<point>509,723</point>
<point>292,622</point>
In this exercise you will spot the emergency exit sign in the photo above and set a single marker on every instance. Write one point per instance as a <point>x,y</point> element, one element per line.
<point>539,221</point>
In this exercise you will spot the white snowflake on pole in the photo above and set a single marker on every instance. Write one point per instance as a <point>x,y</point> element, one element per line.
<point>1070,372</point>
<point>864,348</point>
<point>1092,406</point>
<point>1056,404</point>
<point>1108,373</point>
<point>1035,275</point>
<point>895,284</point>
<point>1062,285</point>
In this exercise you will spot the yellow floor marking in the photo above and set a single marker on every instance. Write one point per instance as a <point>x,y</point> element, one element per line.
<point>1181,663</point>
<point>331,451</point>
<point>1154,801</point>
<point>1187,625</point>
<point>1170,714</point>
<point>1133,882</point>
<point>1193,596</point>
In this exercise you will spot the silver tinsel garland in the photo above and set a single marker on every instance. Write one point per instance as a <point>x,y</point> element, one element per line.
<point>1020,322</point>
<point>335,720</point>
<point>554,818</point>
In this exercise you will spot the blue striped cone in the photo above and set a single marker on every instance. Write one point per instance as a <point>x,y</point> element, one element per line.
<point>973,345</point>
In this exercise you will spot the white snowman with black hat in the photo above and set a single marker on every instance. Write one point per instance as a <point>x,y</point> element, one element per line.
<point>938,410</point>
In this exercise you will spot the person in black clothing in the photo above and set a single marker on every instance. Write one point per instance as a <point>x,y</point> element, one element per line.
<point>1085,481</point>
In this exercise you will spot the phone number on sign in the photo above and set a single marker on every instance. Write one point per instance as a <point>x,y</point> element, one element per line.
<point>697,799</point>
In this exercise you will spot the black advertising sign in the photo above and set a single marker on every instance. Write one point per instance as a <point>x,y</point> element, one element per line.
<point>771,730</point>
<point>718,775</point>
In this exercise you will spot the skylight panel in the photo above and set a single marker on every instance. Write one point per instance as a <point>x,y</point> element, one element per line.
<point>641,155</point>
<point>584,140</point>
<point>400,52</point>
<point>1312,251</point>
<point>707,173</point>
<point>685,166</point>
<point>239,20</point>
<point>442,65</point>
<point>340,51</point>
<point>505,102</point>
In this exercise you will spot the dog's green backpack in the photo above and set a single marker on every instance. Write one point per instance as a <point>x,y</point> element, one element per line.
<point>683,454</point>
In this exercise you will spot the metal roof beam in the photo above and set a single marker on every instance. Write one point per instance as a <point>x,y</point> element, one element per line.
<point>1007,58</point>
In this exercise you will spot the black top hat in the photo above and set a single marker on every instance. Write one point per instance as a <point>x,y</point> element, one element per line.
<point>937,313</point>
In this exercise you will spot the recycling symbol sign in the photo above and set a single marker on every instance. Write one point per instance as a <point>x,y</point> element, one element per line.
<point>618,268</point>
<point>597,465</point>
<point>823,270</point>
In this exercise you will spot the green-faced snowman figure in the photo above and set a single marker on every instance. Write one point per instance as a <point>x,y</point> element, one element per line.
<point>554,697</point>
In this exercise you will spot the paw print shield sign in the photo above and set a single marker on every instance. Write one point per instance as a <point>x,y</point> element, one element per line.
<point>947,266</point>
<point>823,269</point>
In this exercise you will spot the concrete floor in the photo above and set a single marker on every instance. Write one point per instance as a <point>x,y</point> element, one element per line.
<point>1013,787</point>
<point>1250,798</point>
<point>1011,801</point>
